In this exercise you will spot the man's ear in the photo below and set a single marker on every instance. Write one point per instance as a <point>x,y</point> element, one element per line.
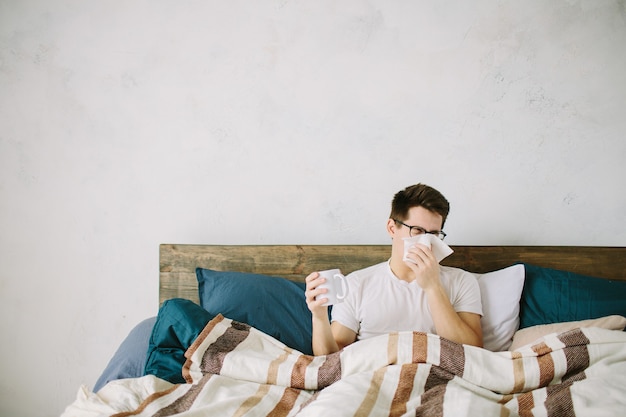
<point>391,227</point>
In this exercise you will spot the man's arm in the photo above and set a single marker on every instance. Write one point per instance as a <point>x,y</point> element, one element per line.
<point>330,338</point>
<point>459,327</point>
<point>462,327</point>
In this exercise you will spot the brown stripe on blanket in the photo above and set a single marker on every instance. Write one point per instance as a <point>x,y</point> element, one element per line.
<point>203,334</point>
<point>577,360</point>
<point>505,412</point>
<point>574,337</point>
<point>559,401</point>
<point>432,402</point>
<point>146,402</point>
<point>525,404</point>
<point>213,357</point>
<point>286,403</point>
<point>367,405</point>
<point>272,371</point>
<point>252,401</point>
<point>545,363</point>
<point>559,396</point>
<point>437,376</point>
<point>404,389</point>
<point>392,348</point>
<point>452,356</point>
<point>451,363</point>
<point>576,353</point>
<point>196,343</point>
<point>298,373</point>
<point>541,348</point>
<point>311,399</point>
<point>505,399</point>
<point>420,347</point>
<point>519,377</point>
<point>184,402</point>
<point>330,371</point>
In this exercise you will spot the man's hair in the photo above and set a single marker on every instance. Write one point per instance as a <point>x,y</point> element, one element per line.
<point>419,195</point>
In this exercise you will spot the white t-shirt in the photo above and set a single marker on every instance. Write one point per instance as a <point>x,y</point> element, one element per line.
<point>379,303</point>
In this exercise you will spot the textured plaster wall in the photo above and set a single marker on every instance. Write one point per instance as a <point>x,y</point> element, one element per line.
<point>125,124</point>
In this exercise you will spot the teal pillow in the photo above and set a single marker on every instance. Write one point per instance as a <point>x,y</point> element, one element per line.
<point>273,305</point>
<point>177,325</point>
<point>555,296</point>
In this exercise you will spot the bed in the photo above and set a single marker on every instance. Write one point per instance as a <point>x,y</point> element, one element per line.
<point>232,337</point>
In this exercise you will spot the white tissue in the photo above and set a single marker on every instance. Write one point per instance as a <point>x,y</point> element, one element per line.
<point>438,246</point>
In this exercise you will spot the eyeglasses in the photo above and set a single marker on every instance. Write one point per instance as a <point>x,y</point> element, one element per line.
<point>416,230</point>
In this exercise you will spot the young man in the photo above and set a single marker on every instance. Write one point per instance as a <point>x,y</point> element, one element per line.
<point>401,295</point>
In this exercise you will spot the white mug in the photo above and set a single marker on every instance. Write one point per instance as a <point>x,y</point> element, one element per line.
<point>336,285</point>
<point>409,242</point>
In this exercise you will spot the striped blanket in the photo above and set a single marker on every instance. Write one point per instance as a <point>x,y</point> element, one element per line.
<point>235,370</point>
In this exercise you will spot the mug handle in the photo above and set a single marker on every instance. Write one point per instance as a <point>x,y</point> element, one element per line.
<point>344,286</point>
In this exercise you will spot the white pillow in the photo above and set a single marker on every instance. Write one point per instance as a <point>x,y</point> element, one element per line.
<point>500,292</point>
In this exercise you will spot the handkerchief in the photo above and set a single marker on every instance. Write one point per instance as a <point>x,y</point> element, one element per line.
<point>438,246</point>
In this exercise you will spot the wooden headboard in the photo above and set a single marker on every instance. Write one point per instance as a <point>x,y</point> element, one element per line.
<point>178,263</point>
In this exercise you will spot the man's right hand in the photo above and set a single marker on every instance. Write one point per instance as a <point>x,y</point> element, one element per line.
<point>313,281</point>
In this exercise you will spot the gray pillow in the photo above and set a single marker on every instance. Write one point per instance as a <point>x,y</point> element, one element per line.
<point>130,358</point>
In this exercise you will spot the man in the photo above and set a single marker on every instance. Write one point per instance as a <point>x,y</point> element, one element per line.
<point>397,295</point>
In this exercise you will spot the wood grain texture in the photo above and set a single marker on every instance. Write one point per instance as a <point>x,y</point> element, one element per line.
<point>178,263</point>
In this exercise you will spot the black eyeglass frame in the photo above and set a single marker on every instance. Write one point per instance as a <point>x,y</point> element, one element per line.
<point>420,230</point>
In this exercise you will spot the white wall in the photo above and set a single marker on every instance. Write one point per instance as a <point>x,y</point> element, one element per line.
<point>125,124</point>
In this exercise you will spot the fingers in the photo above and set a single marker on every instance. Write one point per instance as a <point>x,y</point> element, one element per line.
<point>311,277</point>
<point>425,266</point>
<point>313,281</point>
<point>420,255</point>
